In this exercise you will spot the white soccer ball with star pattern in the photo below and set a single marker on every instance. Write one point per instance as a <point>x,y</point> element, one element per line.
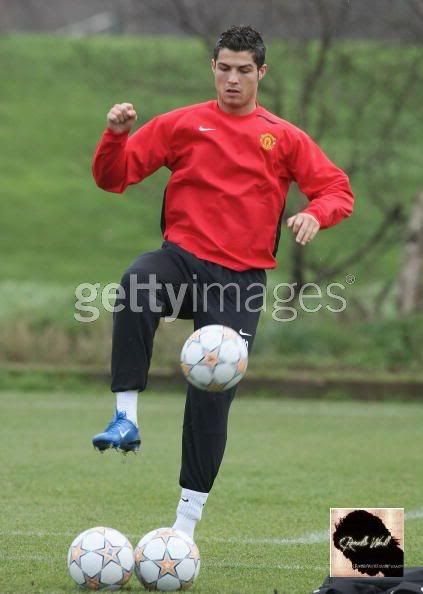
<point>214,358</point>
<point>101,559</point>
<point>167,560</point>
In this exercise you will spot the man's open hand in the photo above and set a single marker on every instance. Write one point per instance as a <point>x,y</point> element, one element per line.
<point>304,227</point>
<point>121,118</point>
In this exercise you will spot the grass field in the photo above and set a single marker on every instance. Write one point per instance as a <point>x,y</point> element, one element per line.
<point>287,462</point>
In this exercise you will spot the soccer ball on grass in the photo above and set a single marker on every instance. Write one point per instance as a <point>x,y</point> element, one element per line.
<point>167,560</point>
<point>101,558</point>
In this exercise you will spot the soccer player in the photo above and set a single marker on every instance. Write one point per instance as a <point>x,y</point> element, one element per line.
<point>231,163</point>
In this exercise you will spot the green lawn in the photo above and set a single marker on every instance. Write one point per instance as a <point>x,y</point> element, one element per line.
<point>287,463</point>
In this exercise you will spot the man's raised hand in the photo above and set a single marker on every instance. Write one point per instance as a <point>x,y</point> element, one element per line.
<point>304,227</point>
<point>121,118</point>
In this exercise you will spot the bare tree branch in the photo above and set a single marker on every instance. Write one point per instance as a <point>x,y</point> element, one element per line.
<point>313,75</point>
<point>410,284</point>
<point>371,306</point>
<point>365,162</point>
<point>393,217</point>
<point>416,7</point>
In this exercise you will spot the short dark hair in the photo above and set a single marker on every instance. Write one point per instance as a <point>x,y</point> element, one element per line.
<point>241,38</point>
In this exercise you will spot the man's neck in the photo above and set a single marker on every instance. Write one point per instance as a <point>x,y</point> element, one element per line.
<point>237,111</point>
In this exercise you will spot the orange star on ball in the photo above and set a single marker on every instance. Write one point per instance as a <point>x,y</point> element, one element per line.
<point>76,554</point>
<point>167,566</point>
<point>110,553</point>
<point>93,583</point>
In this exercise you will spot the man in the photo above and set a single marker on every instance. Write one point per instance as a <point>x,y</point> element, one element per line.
<point>231,164</point>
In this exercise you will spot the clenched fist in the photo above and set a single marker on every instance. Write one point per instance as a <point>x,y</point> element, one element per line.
<point>121,118</point>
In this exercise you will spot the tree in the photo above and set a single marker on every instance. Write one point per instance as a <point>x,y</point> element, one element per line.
<point>410,278</point>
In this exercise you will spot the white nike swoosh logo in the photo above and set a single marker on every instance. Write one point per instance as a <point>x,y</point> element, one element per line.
<point>244,333</point>
<point>124,433</point>
<point>202,129</point>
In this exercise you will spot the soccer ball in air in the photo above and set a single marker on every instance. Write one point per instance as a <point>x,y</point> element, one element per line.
<point>214,358</point>
<point>167,560</point>
<point>101,559</point>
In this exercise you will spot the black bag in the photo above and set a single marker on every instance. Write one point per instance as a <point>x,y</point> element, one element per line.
<point>412,581</point>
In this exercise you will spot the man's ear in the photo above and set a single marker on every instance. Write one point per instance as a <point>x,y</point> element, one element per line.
<point>213,64</point>
<point>262,71</point>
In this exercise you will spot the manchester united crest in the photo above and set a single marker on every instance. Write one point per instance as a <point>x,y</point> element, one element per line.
<point>267,141</point>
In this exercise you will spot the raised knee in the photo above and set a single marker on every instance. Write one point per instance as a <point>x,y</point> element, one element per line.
<point>134,278</point>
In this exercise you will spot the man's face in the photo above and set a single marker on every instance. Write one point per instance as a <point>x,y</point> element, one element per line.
<point>236,79</point>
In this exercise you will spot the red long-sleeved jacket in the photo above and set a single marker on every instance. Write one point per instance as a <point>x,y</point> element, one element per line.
<point>229,179</point>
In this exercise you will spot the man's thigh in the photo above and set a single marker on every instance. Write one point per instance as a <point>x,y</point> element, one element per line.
<point>166,277</point>
<point>236,307</point>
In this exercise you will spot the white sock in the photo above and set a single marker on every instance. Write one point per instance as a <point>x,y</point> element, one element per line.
<point>189,511</point>
<point>127,401</point>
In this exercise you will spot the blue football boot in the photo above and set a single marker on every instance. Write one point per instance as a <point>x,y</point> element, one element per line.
<point>120,434</point>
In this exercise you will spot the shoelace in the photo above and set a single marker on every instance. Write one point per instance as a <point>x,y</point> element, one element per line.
<point>117,421</point>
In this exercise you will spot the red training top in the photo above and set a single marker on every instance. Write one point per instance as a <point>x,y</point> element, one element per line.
<point>229,179</point>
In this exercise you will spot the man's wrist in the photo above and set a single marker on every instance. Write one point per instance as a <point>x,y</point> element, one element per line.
<point>311,214</point>
<point>114,133</point>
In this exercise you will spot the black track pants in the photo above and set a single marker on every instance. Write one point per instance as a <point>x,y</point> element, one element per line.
<point>202,289</point>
